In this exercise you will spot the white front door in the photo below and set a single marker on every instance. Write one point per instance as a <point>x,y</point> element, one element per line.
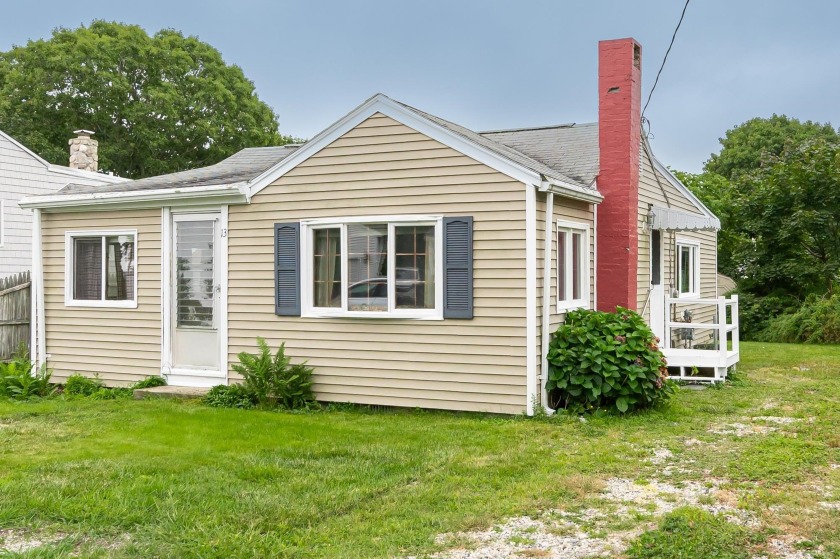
<point>196,300</point>
<point>657,291</point>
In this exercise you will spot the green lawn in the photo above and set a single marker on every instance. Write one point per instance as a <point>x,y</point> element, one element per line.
<point>173,479</point>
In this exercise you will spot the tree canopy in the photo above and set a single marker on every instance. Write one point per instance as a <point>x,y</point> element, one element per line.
<point>776,187</point>
<point>157,104</point>
<point>759,141</point>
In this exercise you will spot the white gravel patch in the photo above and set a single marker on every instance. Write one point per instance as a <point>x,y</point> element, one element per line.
<point>18,541</point>
<point>661,455</point>
<point>741,429</point>
<point>776,419</point>
<point>559,534</point>
<point>694,442</point>
<point>828,505</point>
<point>782,549</point>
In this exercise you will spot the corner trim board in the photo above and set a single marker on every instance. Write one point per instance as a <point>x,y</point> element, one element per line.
<point>531,357</point>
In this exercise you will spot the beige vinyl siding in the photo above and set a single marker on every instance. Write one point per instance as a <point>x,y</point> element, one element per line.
<point>663,193</point>
<point>382,167</point>
<point>119,345</point>
<point>565,209</point>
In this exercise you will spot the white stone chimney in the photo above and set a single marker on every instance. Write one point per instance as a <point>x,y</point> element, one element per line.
<point>84,151</point>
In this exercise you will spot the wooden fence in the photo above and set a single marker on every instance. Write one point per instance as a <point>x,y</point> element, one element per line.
<point>15,313</point>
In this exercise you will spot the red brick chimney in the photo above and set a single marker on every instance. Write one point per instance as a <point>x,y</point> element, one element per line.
<point>619,136</point>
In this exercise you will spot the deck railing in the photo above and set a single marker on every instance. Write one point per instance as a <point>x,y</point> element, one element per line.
<point>706,357</point>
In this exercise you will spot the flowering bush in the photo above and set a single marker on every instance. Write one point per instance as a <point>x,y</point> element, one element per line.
<point>601,360</point>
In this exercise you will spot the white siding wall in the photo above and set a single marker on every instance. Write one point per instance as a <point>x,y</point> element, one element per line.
<point>22,174</point>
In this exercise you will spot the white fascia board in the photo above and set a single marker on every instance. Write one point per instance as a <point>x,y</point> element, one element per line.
<point>177,197</point>
<point>383,104</point>
<point>85,175</point>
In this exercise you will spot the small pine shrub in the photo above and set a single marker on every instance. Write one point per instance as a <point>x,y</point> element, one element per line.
<point>229,396</point>
<point>149,382</point>
<point>273,381</point>
<point>80,385</point>
<point>600,360</point>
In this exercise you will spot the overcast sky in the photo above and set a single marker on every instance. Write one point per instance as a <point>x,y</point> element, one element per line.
<point>489,64</point>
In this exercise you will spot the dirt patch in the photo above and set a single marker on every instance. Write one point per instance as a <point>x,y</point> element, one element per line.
<point>784,548</point>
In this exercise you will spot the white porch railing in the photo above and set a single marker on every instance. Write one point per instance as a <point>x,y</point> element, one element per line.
<point>701,351</point>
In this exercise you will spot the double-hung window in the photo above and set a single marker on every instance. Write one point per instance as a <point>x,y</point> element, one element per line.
<point>372,267</point>
<point>572,265</point>
<point>101,268</point>
<point>688,268</point>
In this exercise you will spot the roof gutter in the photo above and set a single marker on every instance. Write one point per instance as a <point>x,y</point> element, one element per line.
<point>190,196</point>
<point>571,191</point>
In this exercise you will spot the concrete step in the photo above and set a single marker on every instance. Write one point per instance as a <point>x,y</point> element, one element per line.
<point>183,392</point>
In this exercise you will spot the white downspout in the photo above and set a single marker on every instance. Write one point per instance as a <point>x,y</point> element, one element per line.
<point>546,296</point>
<point>531,389</point>
<point>38,343</point>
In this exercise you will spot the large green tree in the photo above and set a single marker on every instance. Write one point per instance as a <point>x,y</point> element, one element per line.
<point>793,220</point>
<point>157,104</point>
<point>760,141</point>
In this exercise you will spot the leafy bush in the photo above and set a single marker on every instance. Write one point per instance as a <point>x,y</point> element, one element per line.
<point>817,321</point>
<point>80,385</point>
<point>149,382</point>
<point>601,360</point>
<point>757,312</point>
<point>274,381</point>
<point>229,396</point>
<point>18,382</point>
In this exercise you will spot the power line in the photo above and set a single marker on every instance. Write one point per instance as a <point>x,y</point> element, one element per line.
<point>674,36</point>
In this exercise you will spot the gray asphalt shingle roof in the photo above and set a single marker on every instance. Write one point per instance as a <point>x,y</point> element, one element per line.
<point>571,149</point>
<point>506,150</point>
<point>240,167</point>
<point>567,153</point>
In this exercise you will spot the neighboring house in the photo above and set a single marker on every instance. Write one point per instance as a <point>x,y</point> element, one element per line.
<point>23,173</point>
<point>411,261</point>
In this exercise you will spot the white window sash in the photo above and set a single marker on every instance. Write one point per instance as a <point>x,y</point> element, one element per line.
<point>70,264</point>
<point>565,301</point>
<point>693,247</point>
<point>308,310</point>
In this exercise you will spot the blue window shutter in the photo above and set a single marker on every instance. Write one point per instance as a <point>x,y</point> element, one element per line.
<point>458,267</point>
<point>287,269</point>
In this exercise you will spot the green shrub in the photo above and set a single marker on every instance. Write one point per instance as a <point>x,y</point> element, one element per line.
<point>756,312</point>
<point>601,360</point>
<point>149,382</point>
<point>274,381</point>
<point>817,321</point>
<point>80,385</point>
<point>229,396</point>
<point>18,382</point>
<point>105,393</point>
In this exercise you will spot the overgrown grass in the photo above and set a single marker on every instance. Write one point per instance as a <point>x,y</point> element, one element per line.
<point>160,478</point>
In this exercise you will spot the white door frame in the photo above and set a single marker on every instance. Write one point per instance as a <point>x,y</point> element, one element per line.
<point>175,376</point>
<point>657,292</point>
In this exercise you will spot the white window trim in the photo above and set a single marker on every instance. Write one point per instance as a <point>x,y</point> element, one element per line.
<point>695,246</point>
<point>583,301</point>
<point>308,310</point>
<point>69,260</point>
